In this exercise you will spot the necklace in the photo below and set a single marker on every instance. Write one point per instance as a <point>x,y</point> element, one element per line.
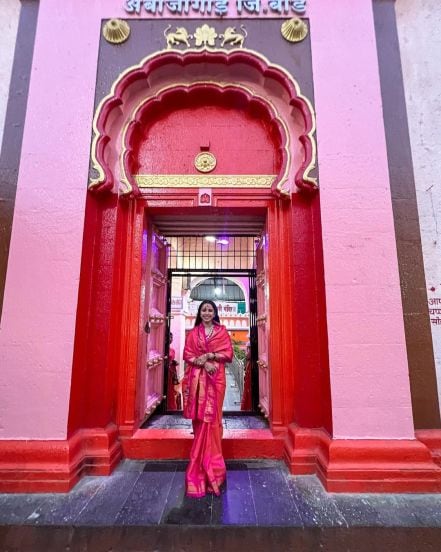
<point>210,331</point>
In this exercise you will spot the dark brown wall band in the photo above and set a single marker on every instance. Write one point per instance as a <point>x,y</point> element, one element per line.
<point>410,258</point>
<point>13,131</point>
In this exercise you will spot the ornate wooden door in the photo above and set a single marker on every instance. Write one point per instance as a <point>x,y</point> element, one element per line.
<point>155,323</point>
<point>262,323</point>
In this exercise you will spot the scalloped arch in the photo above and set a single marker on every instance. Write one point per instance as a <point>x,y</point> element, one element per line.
<point>169,93</point>
<point>145,70</point>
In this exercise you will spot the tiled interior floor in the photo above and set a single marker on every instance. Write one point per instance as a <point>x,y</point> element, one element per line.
<point>177,421</point>
<point>258,493</point>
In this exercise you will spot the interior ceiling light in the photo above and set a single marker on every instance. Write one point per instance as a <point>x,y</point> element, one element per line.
<point>213,239</point>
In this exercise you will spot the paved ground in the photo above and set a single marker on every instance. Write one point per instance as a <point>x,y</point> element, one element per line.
<point>142,507</point>
<point>232,393</point>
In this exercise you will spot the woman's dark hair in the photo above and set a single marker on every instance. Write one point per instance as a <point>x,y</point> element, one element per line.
<point>199,317</point>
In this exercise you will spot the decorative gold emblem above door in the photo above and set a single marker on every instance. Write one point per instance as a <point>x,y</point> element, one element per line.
<point>294,30</point>
<point>116,31</point>
<point>205,162</point>
<point>205,37</point>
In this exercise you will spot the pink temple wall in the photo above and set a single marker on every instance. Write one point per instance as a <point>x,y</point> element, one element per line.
<point>368,362</point>
<point>370,388</point>
<point>38,323</point>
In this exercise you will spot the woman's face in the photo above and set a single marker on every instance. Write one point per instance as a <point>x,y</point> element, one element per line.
<point>207,313</point>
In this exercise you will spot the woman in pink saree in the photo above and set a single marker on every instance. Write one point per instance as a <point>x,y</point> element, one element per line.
<point>207,349</point>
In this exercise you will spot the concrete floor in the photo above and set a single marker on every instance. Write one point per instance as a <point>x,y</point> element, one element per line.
<point>142,506</point>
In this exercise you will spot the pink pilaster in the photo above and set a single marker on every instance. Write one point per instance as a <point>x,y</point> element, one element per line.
<point>368,363</point>
<point>38,323</point>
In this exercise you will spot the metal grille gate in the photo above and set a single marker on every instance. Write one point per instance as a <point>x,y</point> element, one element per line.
<point>224,253</point>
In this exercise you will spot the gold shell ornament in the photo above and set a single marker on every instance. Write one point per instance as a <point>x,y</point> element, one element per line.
<point>116,31</point>
<point>294,30</point>
<point>205,162</point>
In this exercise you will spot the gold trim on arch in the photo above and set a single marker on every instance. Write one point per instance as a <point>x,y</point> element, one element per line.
<point>310,135</point>
<point>205,180</point>
<point>124,179</point>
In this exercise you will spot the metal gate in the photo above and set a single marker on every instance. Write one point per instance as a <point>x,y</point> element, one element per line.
<point>193,257</point>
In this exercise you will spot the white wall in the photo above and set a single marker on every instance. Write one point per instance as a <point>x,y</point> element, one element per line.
<point>9,14</point>
<point>419,30</point>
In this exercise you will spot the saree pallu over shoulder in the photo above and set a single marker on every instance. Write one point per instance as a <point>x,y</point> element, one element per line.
<point>197,343</point>
<point>200,393</point>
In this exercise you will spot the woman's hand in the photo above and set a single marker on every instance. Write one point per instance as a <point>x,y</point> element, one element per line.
<point>201,360</point>
<point>210,367</point>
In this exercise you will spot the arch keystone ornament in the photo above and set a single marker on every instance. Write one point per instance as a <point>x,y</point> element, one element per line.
<point>117,117</point>
<point>205,162</point>
<point>205,36</point>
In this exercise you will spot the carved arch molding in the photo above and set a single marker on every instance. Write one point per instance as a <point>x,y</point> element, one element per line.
<point>234,77</point>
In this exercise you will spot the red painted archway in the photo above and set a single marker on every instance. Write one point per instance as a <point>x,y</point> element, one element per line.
<point>137,84</point>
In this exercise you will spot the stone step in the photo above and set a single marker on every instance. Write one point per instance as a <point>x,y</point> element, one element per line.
<point>163,444</point>
<point>181,538</point>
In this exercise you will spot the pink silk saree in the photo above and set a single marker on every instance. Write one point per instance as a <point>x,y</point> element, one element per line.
<point>203,399</point>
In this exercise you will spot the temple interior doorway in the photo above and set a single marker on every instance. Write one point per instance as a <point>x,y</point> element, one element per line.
<point>188,256</point>
<point>220,268</point>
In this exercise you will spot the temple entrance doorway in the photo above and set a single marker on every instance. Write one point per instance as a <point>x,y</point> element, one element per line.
<point>222,267</point>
